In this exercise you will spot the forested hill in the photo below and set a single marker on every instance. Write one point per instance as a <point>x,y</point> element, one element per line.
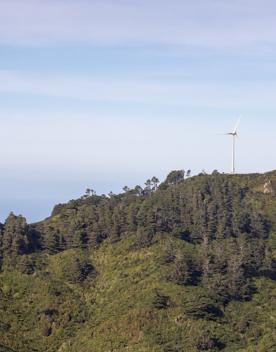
<point>185,265</point>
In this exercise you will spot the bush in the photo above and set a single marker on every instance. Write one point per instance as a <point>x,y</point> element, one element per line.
<point>26,264</point>
<point>160,301</point>
<point>77,269</point>
<point>202,307</point>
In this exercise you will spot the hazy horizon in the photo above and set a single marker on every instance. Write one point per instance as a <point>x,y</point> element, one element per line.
<point>101,94</point>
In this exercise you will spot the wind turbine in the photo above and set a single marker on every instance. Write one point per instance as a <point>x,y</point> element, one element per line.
<point>234,135</point>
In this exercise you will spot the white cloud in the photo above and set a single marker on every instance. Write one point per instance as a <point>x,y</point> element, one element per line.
<point>109,89</point>
<point>202,22</point>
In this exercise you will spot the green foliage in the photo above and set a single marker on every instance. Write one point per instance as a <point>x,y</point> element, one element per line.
<point>15,238</point>
<point>186,266</point>
<point>175,177</point>
<point>204,341</point>
<point>203,306</point>
<point>76,268</point>
<point>185,269</point>
<point>160,301</point>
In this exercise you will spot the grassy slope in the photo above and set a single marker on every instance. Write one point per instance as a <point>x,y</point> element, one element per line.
<point>114,311</point>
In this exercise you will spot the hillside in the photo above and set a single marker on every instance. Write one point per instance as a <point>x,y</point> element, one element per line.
<point>187,265</point>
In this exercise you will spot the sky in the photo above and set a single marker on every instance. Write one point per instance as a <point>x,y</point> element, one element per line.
<point>103,94</point>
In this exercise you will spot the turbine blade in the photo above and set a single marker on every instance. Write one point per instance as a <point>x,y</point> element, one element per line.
<point>237,125</point>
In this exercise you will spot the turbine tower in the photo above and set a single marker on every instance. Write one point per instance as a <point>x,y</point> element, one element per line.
<point>234,135</point>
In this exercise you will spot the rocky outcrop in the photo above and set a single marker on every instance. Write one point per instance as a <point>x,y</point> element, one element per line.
<point>268,187</point>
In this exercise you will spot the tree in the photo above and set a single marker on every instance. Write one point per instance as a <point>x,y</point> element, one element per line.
<point>15,237</point>
<point>52,240</point>
<point>26,264</point>
<point>89,192</point>
<point>175,177</point>
<point>95,235</point>
<point>131,218</point>
<point>184,271</point>
<point>138,190</point>
<point>202,306</point>
<point>148,185</point>
<point>169,253</point>
<point>155,182</point>
<point>126,189</point>
<point>77,269</point>
<point>144,238</point>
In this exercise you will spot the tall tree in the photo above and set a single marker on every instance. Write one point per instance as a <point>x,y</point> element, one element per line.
<point>15,237</point>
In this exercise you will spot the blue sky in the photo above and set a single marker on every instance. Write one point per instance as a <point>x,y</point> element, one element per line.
<point>104,94</point>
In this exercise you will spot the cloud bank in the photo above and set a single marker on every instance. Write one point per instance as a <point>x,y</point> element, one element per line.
<point>203,22</point>
<point>108,89</point>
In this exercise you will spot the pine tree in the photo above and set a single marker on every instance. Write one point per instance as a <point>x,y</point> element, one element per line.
<point>15,238</point>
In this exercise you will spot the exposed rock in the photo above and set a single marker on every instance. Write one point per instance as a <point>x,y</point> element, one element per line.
<point>268,187</point>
